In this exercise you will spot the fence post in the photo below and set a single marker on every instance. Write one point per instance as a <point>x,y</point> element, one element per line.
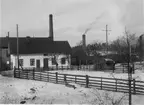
<point>33,74</point>
<point>56,77</point>
<point>56,67</point>
<point>27,73</point>
<point>101,83</point>
<point>75,78</point>
<point>40,74</point>
<point>87,81</point>
<point>113,68</point>
<point>65,81</point>
<point>123,68</point>
<point>80,65</point>
<point>116,85</point>
<point>14,72</point>
<point>77,67</point>
<point>48,68</point>
<point>134,89</point>
<point>71,67</point>
<point>86,65</point>
<point>62,67</point>
<point>19,73</point>
<point>133,68</point>
<point>48,76</point>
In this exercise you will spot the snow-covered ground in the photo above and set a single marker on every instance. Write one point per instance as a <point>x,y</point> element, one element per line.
<point>14,91</point>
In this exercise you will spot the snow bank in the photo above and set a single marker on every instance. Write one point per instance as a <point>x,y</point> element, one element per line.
<point>15,91</point>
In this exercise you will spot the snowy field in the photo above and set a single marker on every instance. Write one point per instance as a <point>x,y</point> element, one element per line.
<point>15,91</point>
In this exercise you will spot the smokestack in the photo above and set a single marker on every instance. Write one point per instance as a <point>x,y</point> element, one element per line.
<point>51,26</point>
<point>84,41</point>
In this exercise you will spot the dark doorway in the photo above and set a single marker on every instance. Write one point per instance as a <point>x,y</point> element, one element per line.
<point>45,61</point>
<point>38,63</point>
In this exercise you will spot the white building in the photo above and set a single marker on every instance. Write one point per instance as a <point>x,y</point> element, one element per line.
<point>37,52</point>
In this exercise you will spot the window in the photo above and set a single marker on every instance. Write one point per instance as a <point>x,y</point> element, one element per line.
<point>32,62</point>
<point>54,62</point>
<point>63,60</point>
<point>21,62</point>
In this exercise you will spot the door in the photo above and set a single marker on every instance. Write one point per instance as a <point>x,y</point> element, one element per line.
<point>38,63</point>
<point>45,61</point>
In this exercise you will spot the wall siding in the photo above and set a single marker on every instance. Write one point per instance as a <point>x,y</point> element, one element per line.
<point>26,60</point>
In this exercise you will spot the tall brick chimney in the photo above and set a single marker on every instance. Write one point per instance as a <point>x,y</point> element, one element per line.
<point>84,42</point>
<point>51,26</point>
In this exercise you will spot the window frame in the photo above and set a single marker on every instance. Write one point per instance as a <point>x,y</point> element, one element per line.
<point>53,61</point>
<point>63,59</point>
<point>21,62</point>
<point>32,62</point>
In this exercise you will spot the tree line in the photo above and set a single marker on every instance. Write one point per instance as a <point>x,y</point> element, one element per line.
<point>120,48</point>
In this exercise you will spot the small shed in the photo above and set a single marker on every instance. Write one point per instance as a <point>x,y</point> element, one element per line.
<point>104,64</point>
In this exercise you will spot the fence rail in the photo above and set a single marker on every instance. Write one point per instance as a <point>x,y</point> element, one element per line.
<point>102,83</point>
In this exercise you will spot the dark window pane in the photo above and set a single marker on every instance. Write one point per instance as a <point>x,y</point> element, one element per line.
<point>21,62</point>
<point>32,62</point>
<point>63,60</point>
<point>54,62</point>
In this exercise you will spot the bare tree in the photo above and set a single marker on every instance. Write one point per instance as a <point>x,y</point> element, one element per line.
<point>120,45</point>
<point>93,48</point>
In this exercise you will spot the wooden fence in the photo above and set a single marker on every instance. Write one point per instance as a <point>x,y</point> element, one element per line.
<point>102,83</point>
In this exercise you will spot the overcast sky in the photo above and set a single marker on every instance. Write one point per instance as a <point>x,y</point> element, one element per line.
<point>72,18</point>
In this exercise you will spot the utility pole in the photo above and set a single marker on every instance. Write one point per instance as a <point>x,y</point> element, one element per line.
<point>17,46</point>
<point>106,38</point>
<point>9,51</point>
<point>129,67</point>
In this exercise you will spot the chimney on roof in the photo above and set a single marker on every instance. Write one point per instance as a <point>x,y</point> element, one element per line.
<point>51,26</point>
<point>84,42</point>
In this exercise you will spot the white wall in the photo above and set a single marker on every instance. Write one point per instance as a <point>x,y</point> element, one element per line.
<point>26,60</point>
